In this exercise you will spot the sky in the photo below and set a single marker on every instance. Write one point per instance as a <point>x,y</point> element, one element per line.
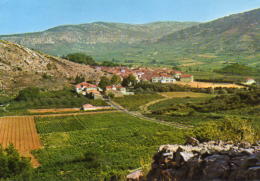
<point>19,16</point>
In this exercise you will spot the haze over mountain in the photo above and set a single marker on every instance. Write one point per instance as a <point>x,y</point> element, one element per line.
<point>21,67</point>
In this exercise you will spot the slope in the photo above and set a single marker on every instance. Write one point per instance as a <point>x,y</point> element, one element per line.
<point>21,67</point>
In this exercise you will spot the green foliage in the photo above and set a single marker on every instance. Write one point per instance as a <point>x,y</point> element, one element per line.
<point>109,64</point>
<point>104,81</point>
<point>79,79</point>
<point>228,102</point>
<point>66,98</point>
<point>229,129</point>
<point>98,146</point>
<point>13,166</point>
<point>237,69</point>
<point>129,81</point>
<point>115,79</point>
<point>133,102</point>
<point>80,58</point>
<point>28,94</point>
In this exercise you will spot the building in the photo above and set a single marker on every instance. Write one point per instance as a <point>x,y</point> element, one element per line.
<point>84,88</point>
<point>250,81</point>
<point>116,88</point>
<point>89,107</point>
<point>163,79</point>
<point>186,78</point>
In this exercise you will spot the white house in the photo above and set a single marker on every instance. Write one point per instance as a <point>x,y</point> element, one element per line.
<point>163,79</point>
<point>250,81</point>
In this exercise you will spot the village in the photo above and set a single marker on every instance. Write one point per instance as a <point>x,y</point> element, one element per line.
<point>154,75</point>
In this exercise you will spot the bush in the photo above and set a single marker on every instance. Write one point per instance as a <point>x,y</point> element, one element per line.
<point>228,129</point>
<point>13,166</point>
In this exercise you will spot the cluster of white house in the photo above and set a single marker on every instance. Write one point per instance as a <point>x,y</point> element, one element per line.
<point>92,90</point>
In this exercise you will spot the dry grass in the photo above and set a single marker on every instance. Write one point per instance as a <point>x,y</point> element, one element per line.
<point>61,110</point>
<point>183,94</point>
<point>209,85</point>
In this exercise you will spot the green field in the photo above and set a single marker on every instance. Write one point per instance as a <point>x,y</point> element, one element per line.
<point>133,102</point>
<point>116,142</point>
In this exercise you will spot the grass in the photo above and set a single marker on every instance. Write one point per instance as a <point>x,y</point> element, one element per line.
<point>118,141</point>
<point>133,102</point>
<point>178,100</point>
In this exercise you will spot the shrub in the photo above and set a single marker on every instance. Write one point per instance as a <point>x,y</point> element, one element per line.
<point>13,166</point>
<point>228,129</point>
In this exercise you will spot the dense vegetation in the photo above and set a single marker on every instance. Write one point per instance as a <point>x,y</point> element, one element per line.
<point>80,58</point>
<point>194,111</point>
<point>13,166</point>
<point>99,146</point>
<point>237,69</point>
<point>32,98</point>
<point>133,102</point>
<point>229,129</point>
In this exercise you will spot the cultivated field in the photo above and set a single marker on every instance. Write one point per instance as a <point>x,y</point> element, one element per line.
<point>21,132</point>
<point>41,111</point>
<point>113,144</point>
<point>209,85</point>
<point>183,94</point>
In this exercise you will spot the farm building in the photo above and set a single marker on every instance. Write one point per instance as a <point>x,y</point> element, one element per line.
<point>186,78</point>
<point>89,107</point>
<point>250,81</point>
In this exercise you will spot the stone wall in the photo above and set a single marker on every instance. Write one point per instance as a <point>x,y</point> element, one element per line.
<point>206,161</point>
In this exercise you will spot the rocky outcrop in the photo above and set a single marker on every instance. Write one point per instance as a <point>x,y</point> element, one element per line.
<point>206,161</point>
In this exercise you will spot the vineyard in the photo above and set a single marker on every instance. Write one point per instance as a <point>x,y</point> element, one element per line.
<point>21,132</point>
<point>116,142</point>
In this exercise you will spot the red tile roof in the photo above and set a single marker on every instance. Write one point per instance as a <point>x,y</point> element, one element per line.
<point>186,76</point>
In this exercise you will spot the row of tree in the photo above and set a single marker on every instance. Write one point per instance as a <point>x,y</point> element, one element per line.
<point>117,80</point>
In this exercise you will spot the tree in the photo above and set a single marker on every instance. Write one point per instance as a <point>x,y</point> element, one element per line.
<point>129,81</point>
<point>13,166</point>
<point>28,94</point>
<point>116,79</point>
<point>79,79</point>
<point>80,58</point>
<point>104,81</point>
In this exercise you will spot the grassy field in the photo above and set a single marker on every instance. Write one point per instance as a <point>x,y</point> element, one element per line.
<point>133,102</point>
<point>114,144</point>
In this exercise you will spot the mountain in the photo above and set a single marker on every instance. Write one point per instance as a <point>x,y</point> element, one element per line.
<point>21,67</point>
<point>235,34</point>
<point>96,37</point>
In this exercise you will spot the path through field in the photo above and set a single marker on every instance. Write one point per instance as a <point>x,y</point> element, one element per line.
<point>21,132</point>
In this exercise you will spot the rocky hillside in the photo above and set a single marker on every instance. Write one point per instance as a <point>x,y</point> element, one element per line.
<point>21,67</point>
<point>91,37</point>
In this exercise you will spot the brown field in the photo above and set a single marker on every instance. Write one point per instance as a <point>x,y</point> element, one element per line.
<point>183,94</point>
<point>209,85</point>
<point>40,111</point>
<point>22,133</point>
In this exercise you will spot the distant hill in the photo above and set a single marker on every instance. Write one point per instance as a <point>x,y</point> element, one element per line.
<point>231,35</point>
<point>21,67</point>
<point>93,37</point>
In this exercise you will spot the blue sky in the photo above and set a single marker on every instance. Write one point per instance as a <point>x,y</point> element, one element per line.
<point>17,16</point>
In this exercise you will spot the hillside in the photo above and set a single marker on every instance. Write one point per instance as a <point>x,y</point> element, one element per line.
<point>231,36</point>
<point>21,67</point>
<point>95,38</point>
